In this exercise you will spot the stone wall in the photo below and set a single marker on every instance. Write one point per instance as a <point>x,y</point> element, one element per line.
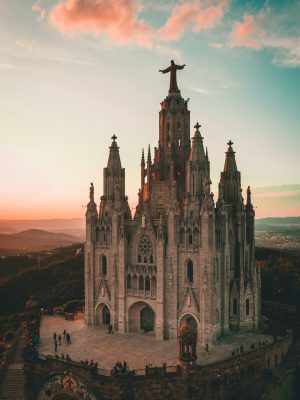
<point>228,379</point>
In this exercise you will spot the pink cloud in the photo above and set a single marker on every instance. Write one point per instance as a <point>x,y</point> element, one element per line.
<point>117,19</point>
<point>190,14</point>
<point>248,33</point>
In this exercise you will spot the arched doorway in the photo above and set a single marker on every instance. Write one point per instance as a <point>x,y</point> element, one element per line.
<point>105,315</point>
<point>188,320</point>
<point>147,319</point>
<point>141,317</point>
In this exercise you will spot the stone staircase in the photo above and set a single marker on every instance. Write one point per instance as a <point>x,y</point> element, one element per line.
<point>12,385</point>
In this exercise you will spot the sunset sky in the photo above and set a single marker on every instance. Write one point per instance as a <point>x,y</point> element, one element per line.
<point>75,72</point>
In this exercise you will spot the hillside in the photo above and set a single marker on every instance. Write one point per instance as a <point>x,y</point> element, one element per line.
<point>71,226</point>
<point>282,233</point>
<point>33,240</point>
<point>58,279</point>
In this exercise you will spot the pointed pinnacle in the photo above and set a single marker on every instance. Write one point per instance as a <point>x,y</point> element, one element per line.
<point>143,157</point>
<point>149,155</point>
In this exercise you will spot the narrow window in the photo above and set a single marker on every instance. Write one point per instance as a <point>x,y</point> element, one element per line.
<point>103,265</point>
<point>190,277</point>
<point>147,283</point>
<point>141,283</point>
<point>247,307</point>
<point>234,307</point>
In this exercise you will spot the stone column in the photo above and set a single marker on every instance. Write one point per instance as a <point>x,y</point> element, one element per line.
<point>160,291</point>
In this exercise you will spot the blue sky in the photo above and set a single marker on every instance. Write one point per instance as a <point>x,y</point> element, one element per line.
<point>73,73</point>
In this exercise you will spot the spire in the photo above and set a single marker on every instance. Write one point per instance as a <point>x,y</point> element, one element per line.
<point>197,150</point>
<point>231,178</point>
<point>149,155</point>
<point>230,164</point>
<point>114,156</point>
<point>143,158</point>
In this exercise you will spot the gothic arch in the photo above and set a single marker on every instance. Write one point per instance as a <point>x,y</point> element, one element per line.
<point>101,308</point>
<point>185,318</point>
<point>141,314</point>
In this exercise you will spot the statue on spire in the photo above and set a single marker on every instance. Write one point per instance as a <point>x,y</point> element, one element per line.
<point>92,192</point>
<point>173,81</point>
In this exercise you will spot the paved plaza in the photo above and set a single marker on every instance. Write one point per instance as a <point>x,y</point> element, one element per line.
<point>137,349</point>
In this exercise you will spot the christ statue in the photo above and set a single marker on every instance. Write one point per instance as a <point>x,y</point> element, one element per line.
<point>173,81</point>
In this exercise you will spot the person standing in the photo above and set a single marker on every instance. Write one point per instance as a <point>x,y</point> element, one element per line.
<point>206,348</point>
<point>59,339</point>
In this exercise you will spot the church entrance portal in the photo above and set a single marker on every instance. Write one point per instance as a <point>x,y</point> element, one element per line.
<point>105,315</point>
<point>147,319</point>
<point>141,317</point>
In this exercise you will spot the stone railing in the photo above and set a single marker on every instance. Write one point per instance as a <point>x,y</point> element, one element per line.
<point>141,293</point>
<point>230,378</point>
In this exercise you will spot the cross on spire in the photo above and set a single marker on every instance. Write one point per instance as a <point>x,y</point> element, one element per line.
<point>197,126</point>
<point>114,137</point>
<point>230,143</point>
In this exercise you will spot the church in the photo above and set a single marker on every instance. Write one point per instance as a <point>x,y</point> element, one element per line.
<point>185,256</point>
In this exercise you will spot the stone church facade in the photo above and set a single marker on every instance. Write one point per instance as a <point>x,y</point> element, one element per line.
<point>183,257</point>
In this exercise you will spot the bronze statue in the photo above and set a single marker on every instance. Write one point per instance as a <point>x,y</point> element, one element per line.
<point>173,81</point>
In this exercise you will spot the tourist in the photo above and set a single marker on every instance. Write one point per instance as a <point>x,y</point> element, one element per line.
<point>68,337</point>
<point>55,345</point>
<point>124,368</point>
<point>206,348</point>
<point>54,336</point>
<point>64,333</point>
<point>59,339</point>
<point>63,356</point>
